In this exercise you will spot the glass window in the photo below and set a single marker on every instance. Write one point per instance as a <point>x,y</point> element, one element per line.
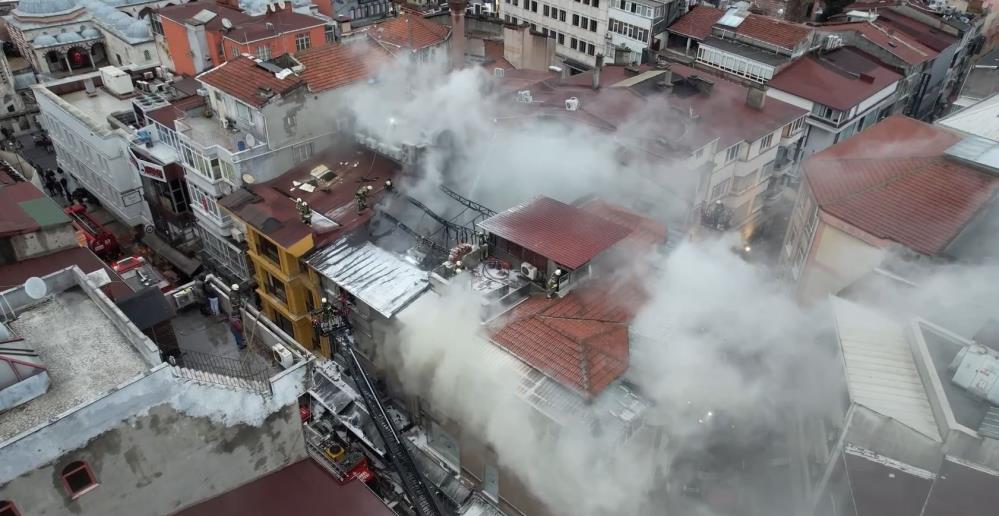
<point>267,248</point>
<point>264,52</point>
<point>276,288</point>
<point>303,41</point>
<point>733,152</point>
<point>720,189</point>
<point>302,152</point>
<point>766,142</point>
<point>331,33</point>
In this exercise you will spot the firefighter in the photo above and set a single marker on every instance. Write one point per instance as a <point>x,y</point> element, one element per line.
<point>553,283</point>
<point>362,197</point>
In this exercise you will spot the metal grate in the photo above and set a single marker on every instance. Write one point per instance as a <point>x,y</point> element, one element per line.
<point>990,425</point>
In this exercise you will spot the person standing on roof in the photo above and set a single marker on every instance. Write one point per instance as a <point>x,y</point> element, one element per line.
<point>236,327</point>
<point>213,300</point>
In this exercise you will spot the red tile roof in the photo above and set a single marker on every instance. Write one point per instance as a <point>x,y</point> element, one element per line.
<point>580,341</point>
<point>271,24</point>
<point>774,31</point>
<point>697,22</point>
<point>301,489</point>
<point>555,230</point>
<point>270,207</point>
<point>925,34</point>
<point>18,272</point>
<point>246,80</point>
<point>177,109</point>
<point>645,232</point>
<point>339,64</point>
<point>839,79</point>
<point>893,182</point>
<point>408,31</point>
<point>897,43</point>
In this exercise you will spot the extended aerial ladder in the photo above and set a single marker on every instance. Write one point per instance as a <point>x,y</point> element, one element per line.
<point>101,241</point>
<point>337,326</point>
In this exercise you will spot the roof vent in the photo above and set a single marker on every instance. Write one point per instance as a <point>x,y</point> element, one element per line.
<point>525,97</point>
<point>571,104</point>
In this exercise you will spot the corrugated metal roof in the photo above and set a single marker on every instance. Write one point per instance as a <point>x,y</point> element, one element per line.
<point>880,371</point>
<point>981,119</point>
<point>560,232</point>
<point>378,277</point>
<point>990,425</point>
<point>981,152</point>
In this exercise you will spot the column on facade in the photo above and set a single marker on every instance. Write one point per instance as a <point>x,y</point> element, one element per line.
<point>90,56</point>
<point>65,56</point>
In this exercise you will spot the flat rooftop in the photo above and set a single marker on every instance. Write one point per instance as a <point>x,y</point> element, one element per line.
<point>85,356</point>
<point>98,105</point>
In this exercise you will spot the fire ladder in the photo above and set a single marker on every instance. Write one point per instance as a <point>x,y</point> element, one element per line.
<point>412,481</point>
<point>468,203</point>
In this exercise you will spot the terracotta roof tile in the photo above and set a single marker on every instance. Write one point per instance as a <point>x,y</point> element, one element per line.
<point>244,79</point>
<point>408,31</point>
<point>580,341</point>
<point>555,230</point>
<point>897,43</point>
<point>645,232</point>
<point>184,12</point>
<point>271,24</point>
<point>839,79</point>
<point>697,22</point>
<point>335,65</point>
<point>893,182</point>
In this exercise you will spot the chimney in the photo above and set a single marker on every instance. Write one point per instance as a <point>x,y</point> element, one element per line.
<point>666,78</point>
<point>621,54</point>
<point>703,85</point>
<point>457,8</point>
<point>596,71</point>
<point>756,96</point>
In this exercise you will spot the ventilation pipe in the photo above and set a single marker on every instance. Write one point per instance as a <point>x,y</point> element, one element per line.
<point>597,70</point>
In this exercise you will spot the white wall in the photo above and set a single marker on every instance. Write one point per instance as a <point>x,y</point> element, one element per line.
<point>838,260</point>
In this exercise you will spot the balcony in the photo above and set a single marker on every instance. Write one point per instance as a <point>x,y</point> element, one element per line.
<point>792,138</point>
<point>206,132</point>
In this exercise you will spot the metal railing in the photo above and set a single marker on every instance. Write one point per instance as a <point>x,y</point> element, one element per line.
<point>224,371</point>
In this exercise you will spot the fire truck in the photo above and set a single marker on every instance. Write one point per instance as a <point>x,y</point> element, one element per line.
<point>98,239</point>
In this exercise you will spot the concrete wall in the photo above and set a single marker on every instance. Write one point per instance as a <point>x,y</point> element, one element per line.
<point>45,241</point>
<point>838,259</point>
<point>162,461</point>
<point>526,50</point>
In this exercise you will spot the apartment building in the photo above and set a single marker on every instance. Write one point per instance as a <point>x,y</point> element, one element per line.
<point>197,36</point>
<point>251,121</point>
<point>732,140</point>
<point>737,43</point>
<point>281,231</point>
<point>845,91</point>
<point>640,25</point>
<point>850,215</point>
<point>87,117</point>
<point>579,27</point>
<point>95,423</point>
<point>910,433</point>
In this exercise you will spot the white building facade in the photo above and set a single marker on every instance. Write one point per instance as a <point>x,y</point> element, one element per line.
<point>579,27</point>
<point>640,24</point>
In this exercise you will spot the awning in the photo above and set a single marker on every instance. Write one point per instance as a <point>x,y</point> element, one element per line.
<point>186,265</point>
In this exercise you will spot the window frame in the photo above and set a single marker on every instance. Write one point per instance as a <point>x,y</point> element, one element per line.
<point>264,248</point>
<point>303,41</point>
<point>81,466</point>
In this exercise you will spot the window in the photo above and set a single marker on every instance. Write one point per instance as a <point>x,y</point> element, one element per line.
<point>267,248</point>
<point>283,323</point>
<point>593,25</point>
<point>767,142</point>
<point>146,55</point>
<point>590,49</point>
<point>78,479</point>
<point>595,3</point>
<point>154,23</point>
<point>276,288</point>
<point>534,6</point>
<point>575,20</point>
<point>331,33</point>
<point>546,11</point>
<point>303,41</point>
<point>720,189</point>
<point>243,111</point>
<point>235,52</point>
<point>302,152</point>
<point>741,184</point>
<point>118,57</point>
<point>561,38</point>
<point>572,43</point>
<point>264,52</point>
<point>7,508</point>
<point>733,152</point>
<point>561,15</point>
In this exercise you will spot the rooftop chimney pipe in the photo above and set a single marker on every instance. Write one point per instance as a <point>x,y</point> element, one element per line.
<point>756,96</point>
<point>596,71</point>
<point>457,8</point>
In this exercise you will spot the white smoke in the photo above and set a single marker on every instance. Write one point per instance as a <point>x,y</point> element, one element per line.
<point>717,338</point>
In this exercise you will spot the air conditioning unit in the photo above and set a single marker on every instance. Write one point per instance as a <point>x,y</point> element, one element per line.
<point>499,72</point>
<point>529,271</point>
<point>148,76</point>
<point>282,356</point>
<point>237,235</point>
<point>571,104</point>
<point>525,96</point>
<point>833,41</point>
<point>159,72</point>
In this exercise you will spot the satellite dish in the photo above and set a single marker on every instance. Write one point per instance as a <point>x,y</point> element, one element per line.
<point>35,287</point>
<point>281,4</point>
<point>248,179</point>
<point>250,140</point>
<point>270,8</point>
<point>226,24</point>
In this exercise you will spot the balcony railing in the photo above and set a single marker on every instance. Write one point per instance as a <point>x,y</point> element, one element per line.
<point>221,370</point>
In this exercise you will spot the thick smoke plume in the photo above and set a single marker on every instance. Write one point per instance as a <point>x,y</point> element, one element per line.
<point>718,338</point>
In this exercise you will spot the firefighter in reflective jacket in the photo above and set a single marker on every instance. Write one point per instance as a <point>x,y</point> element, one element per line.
<point>553,283</point>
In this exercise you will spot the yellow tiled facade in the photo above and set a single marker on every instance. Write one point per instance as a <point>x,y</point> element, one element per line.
<point>288,289</point>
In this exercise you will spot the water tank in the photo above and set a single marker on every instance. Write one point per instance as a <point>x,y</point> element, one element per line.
<point>116,81</point>
<point>976,369</point>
